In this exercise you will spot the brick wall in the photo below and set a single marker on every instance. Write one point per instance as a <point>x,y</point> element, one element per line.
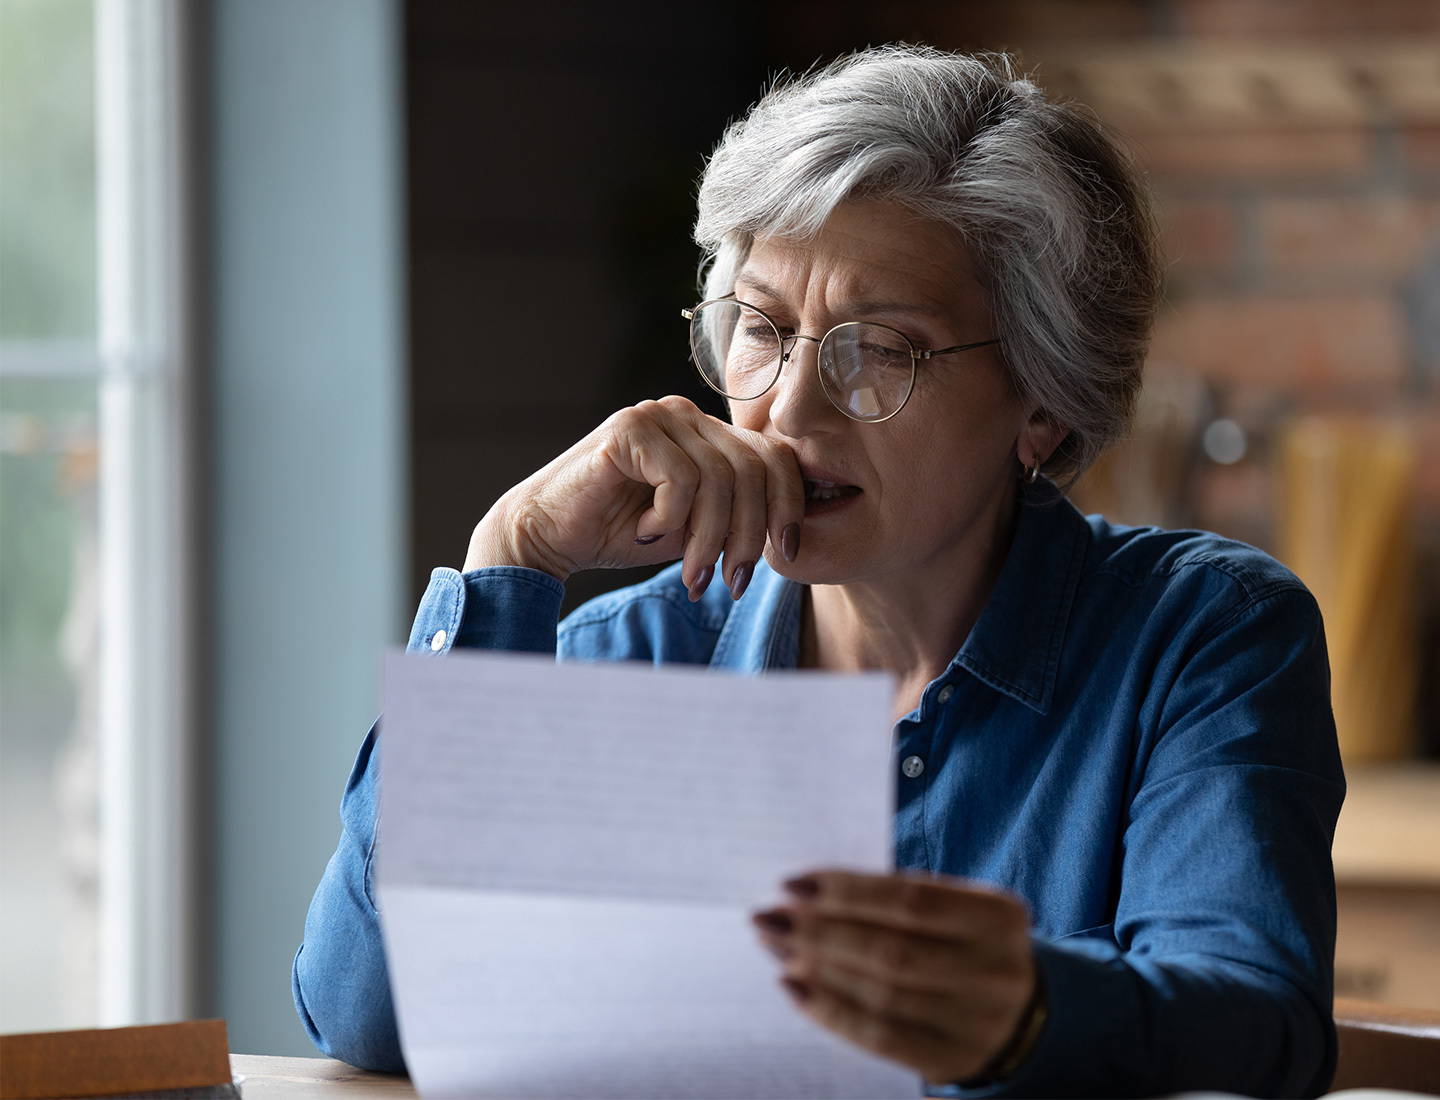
<point>1301,211</point>
<point>1294,151</point>
<point>1300,202</point>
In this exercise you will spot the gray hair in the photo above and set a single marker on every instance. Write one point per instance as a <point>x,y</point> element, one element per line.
<point>1056,218</point>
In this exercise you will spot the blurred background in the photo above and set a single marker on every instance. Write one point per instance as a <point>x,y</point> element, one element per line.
<point>291,290</point>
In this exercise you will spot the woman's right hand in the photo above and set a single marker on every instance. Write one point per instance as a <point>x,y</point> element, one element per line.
<point>655,482</point>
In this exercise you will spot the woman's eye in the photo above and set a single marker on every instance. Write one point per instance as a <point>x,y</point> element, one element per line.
<point>883,352</point>
<point>756,333</point>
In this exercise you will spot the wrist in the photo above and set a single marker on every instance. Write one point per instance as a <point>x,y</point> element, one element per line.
<point>1022,1041</point>
<point>504,538</point>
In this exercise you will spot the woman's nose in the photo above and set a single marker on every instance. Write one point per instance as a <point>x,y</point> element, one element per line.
<point>799,402</point>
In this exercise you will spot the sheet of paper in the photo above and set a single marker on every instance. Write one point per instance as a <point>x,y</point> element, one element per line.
<point>568,857</point>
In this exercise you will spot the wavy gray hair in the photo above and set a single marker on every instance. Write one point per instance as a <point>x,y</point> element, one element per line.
<point>1056,217</point>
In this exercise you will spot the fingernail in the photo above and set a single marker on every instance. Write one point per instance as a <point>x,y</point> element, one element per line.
<point>796,988</point>
<point>774,920</point>
<point>740,579</point>
<point>803,887</point>
<point>648,540</point>
<point>790,541</point>
<point>702,582</point>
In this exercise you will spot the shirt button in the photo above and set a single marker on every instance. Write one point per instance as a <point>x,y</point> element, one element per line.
<point>912,767</point>
<point>945,693</point>
<point>437,643</point>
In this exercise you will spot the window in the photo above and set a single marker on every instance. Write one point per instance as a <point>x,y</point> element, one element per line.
<point>95,760</point>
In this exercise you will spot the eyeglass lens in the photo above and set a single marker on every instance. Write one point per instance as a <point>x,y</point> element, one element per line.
<point>867,370</point>
<point>736,349</point>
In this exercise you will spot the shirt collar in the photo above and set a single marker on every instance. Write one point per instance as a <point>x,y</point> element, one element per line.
<point>1015,645</point>
<point>763,628</point>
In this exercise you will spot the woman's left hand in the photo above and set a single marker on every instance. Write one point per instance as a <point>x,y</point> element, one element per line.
<point>932,972</point>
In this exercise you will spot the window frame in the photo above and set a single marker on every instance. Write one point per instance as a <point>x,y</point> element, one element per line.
<point>143,361</point>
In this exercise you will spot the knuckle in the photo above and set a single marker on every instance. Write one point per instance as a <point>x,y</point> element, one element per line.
<point>686,485</point>
<point>626,419</point>
<point>750,470</point>
<point>775,449</point>
<point>895,952</point>
<point>720,479</point>
<point>915,899</point>
<point>674,403</point>
<point>686,478</point>
<point>687,467</point>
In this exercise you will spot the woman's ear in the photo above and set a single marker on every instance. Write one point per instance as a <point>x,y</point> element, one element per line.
<point>1039,438</point>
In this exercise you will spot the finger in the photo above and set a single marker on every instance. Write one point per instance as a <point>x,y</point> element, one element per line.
<point>948,908</point>
<point>785,498</point>
<point>710,512</point>
<point>745,540</point>
<point>715,455</point>
<point>641,451</point>
<point>692,481</point>
<point>954,1014</point>
<point>937,1057</point>
<point>907,960</point>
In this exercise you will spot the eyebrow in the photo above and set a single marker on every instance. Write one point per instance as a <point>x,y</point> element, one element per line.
<point>864,308</point>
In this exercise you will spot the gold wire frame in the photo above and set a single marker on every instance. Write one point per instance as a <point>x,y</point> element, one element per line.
<point>785,353</point>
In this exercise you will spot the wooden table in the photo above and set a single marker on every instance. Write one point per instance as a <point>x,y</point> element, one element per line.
<point>1387,866</point>
<point>268,1078</point>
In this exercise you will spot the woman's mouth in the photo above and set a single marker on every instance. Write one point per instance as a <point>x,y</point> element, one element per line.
<point>827,496</point>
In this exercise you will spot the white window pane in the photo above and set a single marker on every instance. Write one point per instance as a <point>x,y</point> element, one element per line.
<point>49,637</point>
<point>47,169</point>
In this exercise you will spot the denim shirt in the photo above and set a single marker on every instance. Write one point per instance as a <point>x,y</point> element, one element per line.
<point>1136,738</point>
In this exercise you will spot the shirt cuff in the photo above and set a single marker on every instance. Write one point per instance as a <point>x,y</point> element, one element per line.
<point>1067,974</point>
<point>505,607</point>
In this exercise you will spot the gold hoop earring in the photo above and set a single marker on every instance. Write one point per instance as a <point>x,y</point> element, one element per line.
<point>1031,472</point>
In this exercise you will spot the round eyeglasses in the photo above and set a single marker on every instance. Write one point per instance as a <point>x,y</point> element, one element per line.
<point>867,370</point>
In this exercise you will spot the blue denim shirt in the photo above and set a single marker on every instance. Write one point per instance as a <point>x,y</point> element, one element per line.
<point>1136,738</point>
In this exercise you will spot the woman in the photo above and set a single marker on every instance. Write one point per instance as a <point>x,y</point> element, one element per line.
<point>1117,770</point>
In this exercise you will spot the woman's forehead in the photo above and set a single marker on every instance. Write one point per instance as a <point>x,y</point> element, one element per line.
<point>865,256</point>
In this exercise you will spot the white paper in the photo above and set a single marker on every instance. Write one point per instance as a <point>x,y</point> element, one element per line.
<point>569,855</point>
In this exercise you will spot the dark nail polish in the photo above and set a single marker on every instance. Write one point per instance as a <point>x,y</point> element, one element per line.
<point>775,920</point>
<point>790,541</point>
<point>702,582</point>
<point>803,887</point>
<point>648,540</point>
<point>796,988</point>
<point>740,579</point>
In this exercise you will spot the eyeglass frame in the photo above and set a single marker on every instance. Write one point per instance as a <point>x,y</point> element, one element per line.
<point>786,351</point>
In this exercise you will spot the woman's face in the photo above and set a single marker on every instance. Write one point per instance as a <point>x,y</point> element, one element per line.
<point>900,498</point>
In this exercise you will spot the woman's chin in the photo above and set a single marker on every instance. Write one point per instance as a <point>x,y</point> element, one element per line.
<point>813,566</point>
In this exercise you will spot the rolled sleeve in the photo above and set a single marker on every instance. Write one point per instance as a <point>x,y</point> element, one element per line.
<point>506,607</point>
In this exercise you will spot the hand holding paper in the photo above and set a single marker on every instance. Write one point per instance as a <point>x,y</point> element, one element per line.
<point>569,855</point>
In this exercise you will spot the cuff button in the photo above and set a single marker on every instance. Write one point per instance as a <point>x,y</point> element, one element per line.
<point>437,643</point>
